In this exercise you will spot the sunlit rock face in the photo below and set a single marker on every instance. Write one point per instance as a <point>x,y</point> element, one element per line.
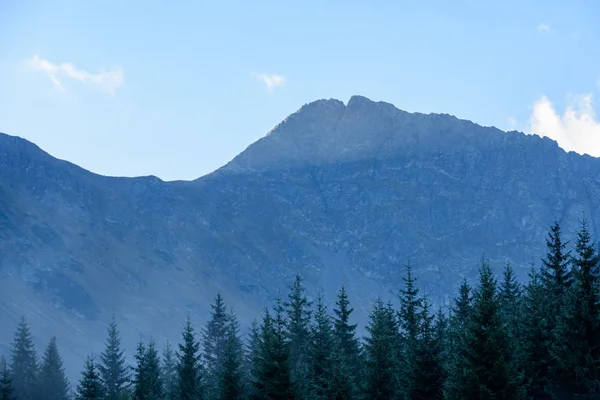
<point>338,193</point>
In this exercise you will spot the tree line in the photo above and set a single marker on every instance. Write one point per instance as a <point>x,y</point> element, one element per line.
<point>497,340</point>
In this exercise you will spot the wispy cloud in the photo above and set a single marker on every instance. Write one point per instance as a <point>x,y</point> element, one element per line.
<point>108,81</point>
<point>271,81</point>
<point>577,129</point>
<point>512,123</point>
<point>543,28</point>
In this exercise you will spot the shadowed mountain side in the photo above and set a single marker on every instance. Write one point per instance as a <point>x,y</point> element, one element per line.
<point>337,193</point>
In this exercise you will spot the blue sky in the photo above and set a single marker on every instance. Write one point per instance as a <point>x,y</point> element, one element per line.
<point>146,88</point>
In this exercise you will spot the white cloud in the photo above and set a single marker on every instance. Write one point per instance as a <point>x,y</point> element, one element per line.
<point>577,129</point>
<point>105,80</point>
<point>271,81</point>
<point>543,28</point>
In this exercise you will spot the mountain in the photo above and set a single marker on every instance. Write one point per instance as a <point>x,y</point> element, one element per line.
<point>339,193</point>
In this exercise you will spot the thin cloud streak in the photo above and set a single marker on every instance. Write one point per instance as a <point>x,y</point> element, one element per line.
<point>108,81</point>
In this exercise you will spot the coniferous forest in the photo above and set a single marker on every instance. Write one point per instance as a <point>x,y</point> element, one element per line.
<point>499,339</point>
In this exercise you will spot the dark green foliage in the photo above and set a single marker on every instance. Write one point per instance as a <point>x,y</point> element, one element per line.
<point>112,367</point>
<point>577,344</point>
<point>409,323</point>
<point>230,374</point>
<point>489,362</point>
<point>215,337</point>
<point>24,364</point>
<point>169,373</point>
<point>90,385</point>
<point>6,388</point>
<point>52,383</point>
<point>298,316</point>
<point>347,344</point>
<point>456,337</point>
<point>271,363</point>
<point>188,366</point>
<point>381,352</point>
<point>535,337</point>
<point>147,381</point>
<point>320,352</point>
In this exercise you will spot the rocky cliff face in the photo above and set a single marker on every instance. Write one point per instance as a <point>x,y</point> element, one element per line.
<point>338,193</point>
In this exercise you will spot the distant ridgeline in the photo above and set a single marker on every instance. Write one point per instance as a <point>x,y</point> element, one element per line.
<point>498,340</point>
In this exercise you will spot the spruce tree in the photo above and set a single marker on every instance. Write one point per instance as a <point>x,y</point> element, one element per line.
<point>320,351</point>
<point>139,381</point>
<point>53,383</point>
<point>455,385</point>
<point>24,364</point>
<point>345,335</point>
<point>272,362</point>
<point>253,347</point>
<point>112,367</point>
<point>215,337</point>
<point>90,385</point>
<point>298,315</point>
<point>231,376</point>
<point>426,370</point>
<point>409,322</point>
<point>535,337</point>
<point>169,373</point>
<point>6,388</point>
<point>577,347</point>
<point>381,346</point>
<point>490,363</point>
<point>189,367</point>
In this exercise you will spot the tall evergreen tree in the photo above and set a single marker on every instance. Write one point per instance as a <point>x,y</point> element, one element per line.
<point>253,347</point>
<point>112,367</point>
<point>381,346</point>
<point>189,367</point>
<point>427,370</point>
<point>535,337</point>
<point>409,322</point>
<point>169,373</point>
<point>556,276</point>
<point>24,363</point>
<point>298,315</point>
<point>6,388</point>
<point>231,376</point>
<point>320,352</point>
<point>577,347</point>
<point>349,346</point>
<point>139,381</point>
<point>490,365</point>
<point>90,385</point>
<point>215,338</point>
<point>53,382</point>
<point>147,380</point>
<point>271,364</point>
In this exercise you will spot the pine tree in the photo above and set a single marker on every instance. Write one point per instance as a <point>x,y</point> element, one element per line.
<point>253,347</point>
<point>298,322</point>
<point>231,377</point>
<point>169,373</point>
<point>535,337</point>
<point>426,370</point>
<point>271,364</point>
<point>90,385</point>
<point>320,351</point>
<point>490,365</point>
<point>24,364</point>
<point>215,337</point>
<point>189,367</point>
<point>112,367</point>
<point>381,346</point>
<point>455,385</point>
<point>345,335</point>
<point>409,321</point>
<point>6,387</point>
<point>53,383</point>
<point>577,347</point>
<point>154,372</point>
<point>555,274</point>
<point>139,381</point>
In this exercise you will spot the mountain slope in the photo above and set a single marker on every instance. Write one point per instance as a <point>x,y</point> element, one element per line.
<point>338,193</point>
